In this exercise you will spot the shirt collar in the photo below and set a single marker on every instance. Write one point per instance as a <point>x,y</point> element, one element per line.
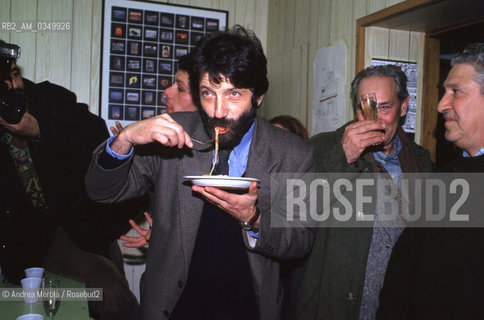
<point>242,149</point>
<point>479,153</point>
<point>380,155</point>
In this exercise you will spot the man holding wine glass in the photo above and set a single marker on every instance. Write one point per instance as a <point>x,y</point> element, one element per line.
<point>342,277</point>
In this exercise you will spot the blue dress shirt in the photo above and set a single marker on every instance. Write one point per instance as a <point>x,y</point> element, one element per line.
<point>479,153</point>
<point>391,162</point>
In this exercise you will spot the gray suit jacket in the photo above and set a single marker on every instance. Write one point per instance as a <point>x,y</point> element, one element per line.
<point>176,210</point>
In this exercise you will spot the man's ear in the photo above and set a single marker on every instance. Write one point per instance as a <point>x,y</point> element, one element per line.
<point>259,100</point>
<point>404,107</point>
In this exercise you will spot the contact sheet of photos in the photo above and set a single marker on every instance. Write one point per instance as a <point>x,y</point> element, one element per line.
<point>142,42</point>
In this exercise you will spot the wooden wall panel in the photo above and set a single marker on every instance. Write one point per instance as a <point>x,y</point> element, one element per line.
<point>377,44</point>
<point>95,69</point>
<point>5,17</point>
<point>244,13</point>
<point>205,3</point>
<point>25,11</point>
<point>81,49</point>
<point>54,48</point>
<point>375,5</point>
<point>230,7</point>
<point>399,45</point>
<point>260,21</point>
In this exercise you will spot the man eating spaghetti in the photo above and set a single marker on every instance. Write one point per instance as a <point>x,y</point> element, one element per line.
<point>213,253</point>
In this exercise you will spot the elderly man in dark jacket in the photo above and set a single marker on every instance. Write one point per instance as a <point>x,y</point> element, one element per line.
<point>342,277</point>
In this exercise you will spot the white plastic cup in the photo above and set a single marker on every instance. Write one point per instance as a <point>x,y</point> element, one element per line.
<point>36,272</point>
<point>31,316</point>
<point>31,289</point>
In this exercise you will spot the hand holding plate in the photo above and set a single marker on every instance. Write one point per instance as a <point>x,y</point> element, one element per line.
<point>240,206</point>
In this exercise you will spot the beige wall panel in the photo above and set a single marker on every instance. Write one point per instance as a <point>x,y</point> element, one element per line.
<point>279,32</point>
<point>342,20</point>
<point>302,103</point>
<point>343,28</point>
<point>376,44</point>
<point>390,3</point>
<point>273,21</point>
<point>273,98</point>
<point>294,105</point>
<point>289,25</point>
<point>244,13</point>
<point>230,7</point>
<point>325,23</point>
<point>5,18</point>
<point>374,5</point>
<point>287,90</point>
<point>81,49</point>
<point>183,2</point>
<point>260,21</point>
<point>310,30</point>
<point>213,4</point>
<point>25,11</point>
<point>399,45</point>
<point>302,22</point>
<point>95,56</point>
<point>359,10</point>
<point>54,47</point>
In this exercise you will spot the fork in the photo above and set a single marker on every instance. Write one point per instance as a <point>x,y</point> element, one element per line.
<point>202,145</point>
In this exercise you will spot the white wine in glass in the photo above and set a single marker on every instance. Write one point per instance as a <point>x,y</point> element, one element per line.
<point>51,297</point>
<point>369,106</point>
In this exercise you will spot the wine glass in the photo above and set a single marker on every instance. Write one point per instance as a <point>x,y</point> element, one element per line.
<point>369,106</point>
<point>51,296</point>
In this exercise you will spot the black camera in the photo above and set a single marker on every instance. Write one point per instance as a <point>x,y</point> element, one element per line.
<point>12,101</point>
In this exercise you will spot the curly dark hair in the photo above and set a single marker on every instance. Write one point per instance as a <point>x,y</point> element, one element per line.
<point>236,55</point>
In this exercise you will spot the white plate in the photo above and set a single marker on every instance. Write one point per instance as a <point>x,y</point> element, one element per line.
<point>221,181</point>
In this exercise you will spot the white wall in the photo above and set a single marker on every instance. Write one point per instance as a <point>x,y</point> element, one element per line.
<point>71,58</point>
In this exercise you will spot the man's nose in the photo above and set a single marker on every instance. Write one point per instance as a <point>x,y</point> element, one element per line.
<point>168,91</point>
<point>444,104</point>
<point>221,108</point>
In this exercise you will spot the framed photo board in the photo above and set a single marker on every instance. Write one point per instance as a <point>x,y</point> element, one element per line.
<point>141,44</point>
<point>410,70</point>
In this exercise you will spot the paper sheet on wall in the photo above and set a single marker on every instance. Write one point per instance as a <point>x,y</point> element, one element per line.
<point>329,85</point>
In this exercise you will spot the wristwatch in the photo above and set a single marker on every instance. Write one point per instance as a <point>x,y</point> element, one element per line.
<point>248,225</point>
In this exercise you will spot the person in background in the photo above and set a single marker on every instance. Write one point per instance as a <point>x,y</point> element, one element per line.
<point>47,218</point>
<point>437,273</point>
<point>178,95</point>
<point>290,124</point>
<point>341,278</point>
<point>213,253</point>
